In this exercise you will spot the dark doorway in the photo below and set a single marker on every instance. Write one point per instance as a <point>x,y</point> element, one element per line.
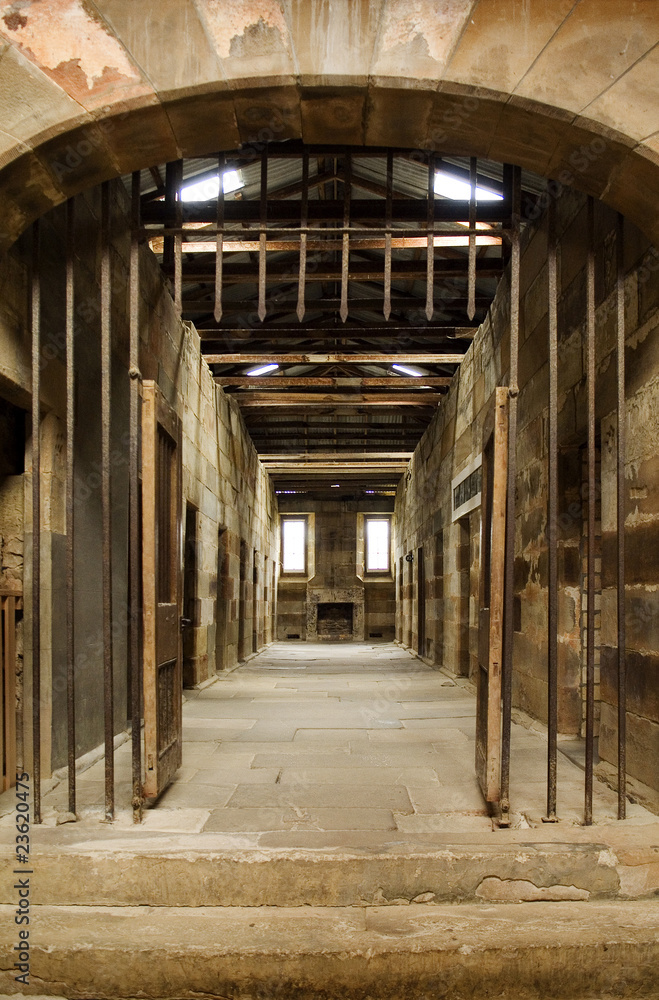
<point>242,602</point>
<point>420,603</point>
<point>222,600</point>
<point>190,614</point>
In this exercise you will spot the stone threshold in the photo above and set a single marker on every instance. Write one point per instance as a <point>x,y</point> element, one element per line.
<point>567,951</point>
<point>109,866</point>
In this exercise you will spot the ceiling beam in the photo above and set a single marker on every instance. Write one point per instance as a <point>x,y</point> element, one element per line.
<point>439,332</point>
<point>270,440</point>
<point>294,399</point>
<point>447,243</point>
<point>330,210</point>
<point>415,307</point>
<point>337,467</point>
<point>359,270</point>
<point>283,382</point>
<point>329,457</point>
<point>293,426</point>
<point>334,359</point>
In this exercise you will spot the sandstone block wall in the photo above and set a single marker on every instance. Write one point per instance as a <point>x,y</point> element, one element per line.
<point>454,438</point>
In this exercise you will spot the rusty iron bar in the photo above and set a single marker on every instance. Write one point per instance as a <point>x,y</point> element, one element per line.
<point>134,548</point>
<point>552,516</point>
<point>178,241</point>
<point>471,267</point>
<point>219,239</point>
<point>509,572</point>
<point>171,230</point>
<point>621,514</point>
<point>590,555</point>
<point>386,308</point>
<point>304,219</point>
<point>106,496</point>
<point>345,249</point>
<point>430,240</point>
<point>262,234</point>
<point>70,515</point>
<point>35,323</point>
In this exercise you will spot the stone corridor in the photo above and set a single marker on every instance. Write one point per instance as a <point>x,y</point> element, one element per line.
<point>333,745</point>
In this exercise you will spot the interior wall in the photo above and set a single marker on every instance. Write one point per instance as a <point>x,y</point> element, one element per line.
<point>336,573</point>
<point>454,438</point>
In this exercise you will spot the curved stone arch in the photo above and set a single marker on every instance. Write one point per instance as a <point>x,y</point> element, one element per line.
<point>88,94</point>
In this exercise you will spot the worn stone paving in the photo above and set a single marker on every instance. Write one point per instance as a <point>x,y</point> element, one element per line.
<point>332,744</point>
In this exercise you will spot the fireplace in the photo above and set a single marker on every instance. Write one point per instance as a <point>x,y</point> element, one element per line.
<point>335,620</point>
<point>335,614</point>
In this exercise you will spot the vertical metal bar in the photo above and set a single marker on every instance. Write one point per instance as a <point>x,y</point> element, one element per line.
<point>9,655</point>
<point>70,527</point>
<point>106,497</point>
<point>621,515</point>
<point>262,235</point>
<point>430,253</point>
<point>170,213</point>
<point>471,281</point>
<point>590,558</point>
<point>345,253</point>
<point>35,320</point>
<point>552,515</point>
<point>304,222</point>
<point>387,236</point>
<point>509,577</point>
<point>219,248</point>
<point>134,548</point>
<point>178,242</point>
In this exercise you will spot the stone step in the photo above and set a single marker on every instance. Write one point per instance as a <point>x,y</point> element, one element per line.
<point>567,951</point>
<point>74,867</point>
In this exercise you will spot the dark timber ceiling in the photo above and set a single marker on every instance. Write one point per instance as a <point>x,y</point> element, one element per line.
<point>334,418</point>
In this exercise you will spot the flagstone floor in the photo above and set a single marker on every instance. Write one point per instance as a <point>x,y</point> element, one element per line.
<point>314,745</point>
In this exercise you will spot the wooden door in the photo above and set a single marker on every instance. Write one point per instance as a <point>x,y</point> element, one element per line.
<point>490,622</point>
<point>161,586</point>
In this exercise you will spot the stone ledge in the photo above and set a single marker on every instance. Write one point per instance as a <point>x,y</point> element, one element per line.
<point>575,951</point>
<point>196,872</point>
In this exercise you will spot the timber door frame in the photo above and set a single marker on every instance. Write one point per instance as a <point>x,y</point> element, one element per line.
<point>162,648</point>
<point>491,597</point>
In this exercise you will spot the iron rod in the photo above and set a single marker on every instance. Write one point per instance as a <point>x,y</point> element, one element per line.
<point>304,219</point>
<point>262,234</point>
<point>345,249</point>
<point>471,277</point>
<point>621,516</point>
<point>430,251</point>
<point>134,557</point>
<point>509,577</point>
<point>219,248</point>
<point>590,559</point>
<point>106,497</point>
<point>178,241</point>
<point>70,514</point>
<point>386,309</point>
<point>35,320</point>
<point>552,515</point>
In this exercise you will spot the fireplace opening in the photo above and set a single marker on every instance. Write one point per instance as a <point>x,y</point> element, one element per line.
<point>335,621</point>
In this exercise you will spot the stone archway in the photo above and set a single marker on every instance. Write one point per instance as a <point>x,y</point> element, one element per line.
<point>89,94</point>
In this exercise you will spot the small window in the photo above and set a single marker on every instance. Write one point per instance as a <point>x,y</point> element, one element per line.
<point>294,545</point>
<point>377,545</point>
